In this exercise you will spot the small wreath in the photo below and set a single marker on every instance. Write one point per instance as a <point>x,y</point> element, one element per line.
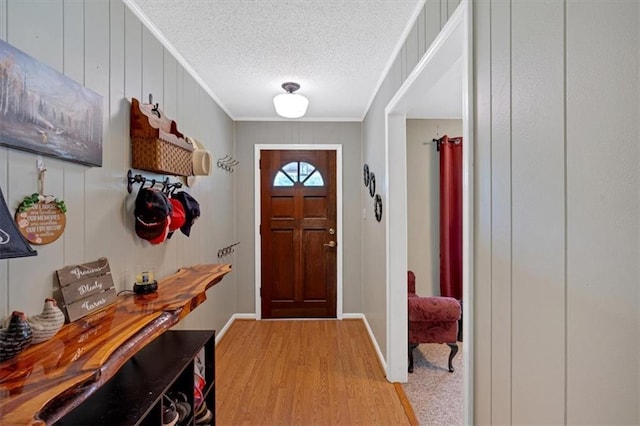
<point>33,199</point>
<point>378,207</point>
<point>372,184</point>
<point>365,171</point>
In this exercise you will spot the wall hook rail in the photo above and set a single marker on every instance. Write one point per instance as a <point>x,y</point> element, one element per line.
<point>167,187</point>
<point>227,163</point>
<point>226,251</point>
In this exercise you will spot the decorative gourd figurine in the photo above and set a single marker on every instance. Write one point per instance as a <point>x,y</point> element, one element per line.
<point>15,337</point>
<point>47,323</point>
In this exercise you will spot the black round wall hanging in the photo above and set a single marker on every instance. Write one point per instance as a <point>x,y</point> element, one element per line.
<point>365,172</point>
<point>372,184</point>
<point>378,207</point>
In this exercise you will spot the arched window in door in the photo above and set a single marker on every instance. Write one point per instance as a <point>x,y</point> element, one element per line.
<point>298,171</point>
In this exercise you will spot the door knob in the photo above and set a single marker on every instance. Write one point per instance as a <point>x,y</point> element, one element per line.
<point>331,244</point>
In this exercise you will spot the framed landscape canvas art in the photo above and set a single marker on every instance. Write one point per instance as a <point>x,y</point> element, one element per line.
<point>45,112</point>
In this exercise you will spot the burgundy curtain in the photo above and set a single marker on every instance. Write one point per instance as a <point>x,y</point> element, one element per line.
<point>451,217</point>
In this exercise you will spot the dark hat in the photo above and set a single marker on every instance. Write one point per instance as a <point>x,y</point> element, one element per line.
<point>156,232</point>
<point>153,215</point>
<point>191,210</point>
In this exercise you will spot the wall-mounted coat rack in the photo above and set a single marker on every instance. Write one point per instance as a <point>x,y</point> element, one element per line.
<point>226,251</point>
<point>227,163</point>
<point>167,187</point>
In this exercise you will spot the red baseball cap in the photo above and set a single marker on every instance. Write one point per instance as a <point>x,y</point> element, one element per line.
<point>178,216</point>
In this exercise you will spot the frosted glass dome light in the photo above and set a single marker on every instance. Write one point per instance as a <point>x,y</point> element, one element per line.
<point>290,105</point>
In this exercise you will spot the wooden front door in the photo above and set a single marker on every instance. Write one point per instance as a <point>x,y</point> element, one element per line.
<point>298,233</point>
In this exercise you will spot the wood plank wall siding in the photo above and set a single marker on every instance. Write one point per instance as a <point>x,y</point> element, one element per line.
<point>322,372</point>
<point>556,212</point>
<point>102,45</point>
<point>556,208</point>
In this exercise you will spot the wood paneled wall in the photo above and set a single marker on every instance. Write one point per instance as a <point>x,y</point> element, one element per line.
<point>557,208</point>
<point>557,212</point>
<point>104,46</point>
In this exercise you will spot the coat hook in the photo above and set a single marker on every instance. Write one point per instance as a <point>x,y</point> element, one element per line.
<point>222,160</point>
<point>227,163</point>
<point>134,179</point>
<point>41,169</point>
<point>155,107</point>
<point>228,250</point>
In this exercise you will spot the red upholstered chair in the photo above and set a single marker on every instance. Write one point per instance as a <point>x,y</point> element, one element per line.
<point>432,320</point>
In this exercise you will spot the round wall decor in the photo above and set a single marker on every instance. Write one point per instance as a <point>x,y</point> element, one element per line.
<point>41,219</point>
<point>365,171</point>
<point>372,184</point>
<point>378,207</point>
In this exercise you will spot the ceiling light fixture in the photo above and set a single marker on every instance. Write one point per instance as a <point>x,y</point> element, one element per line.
<point>290,105</point>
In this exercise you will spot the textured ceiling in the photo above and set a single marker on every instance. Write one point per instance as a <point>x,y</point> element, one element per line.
<point>243,50</point>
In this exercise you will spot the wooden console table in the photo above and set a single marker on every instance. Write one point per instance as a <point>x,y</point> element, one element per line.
<point>49,379</point>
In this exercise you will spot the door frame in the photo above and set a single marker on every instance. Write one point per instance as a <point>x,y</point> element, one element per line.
<point>256,193</point>
<point>454,42</point>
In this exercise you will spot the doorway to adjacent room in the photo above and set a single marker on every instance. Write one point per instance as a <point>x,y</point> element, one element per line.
<point>448,60</point>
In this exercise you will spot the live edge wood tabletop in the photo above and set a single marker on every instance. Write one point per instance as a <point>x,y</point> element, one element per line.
<point>49,379</point>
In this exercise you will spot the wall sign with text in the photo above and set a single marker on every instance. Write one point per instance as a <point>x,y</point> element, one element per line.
<point>41,219</point>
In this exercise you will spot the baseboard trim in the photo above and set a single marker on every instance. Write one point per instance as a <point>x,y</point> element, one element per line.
<point>233,317</point>
<point>406,404</point>
<point>381,359</point>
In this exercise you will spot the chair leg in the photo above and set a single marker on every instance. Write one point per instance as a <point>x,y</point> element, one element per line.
<point>454,351</point>
<point>460,324</point>
<point>412,346</point>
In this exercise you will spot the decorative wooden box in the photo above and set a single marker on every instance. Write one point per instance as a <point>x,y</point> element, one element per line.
<point>86,288</point>
<point>156,143</point>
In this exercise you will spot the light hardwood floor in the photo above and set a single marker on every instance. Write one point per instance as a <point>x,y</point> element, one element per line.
<point>302,373</point>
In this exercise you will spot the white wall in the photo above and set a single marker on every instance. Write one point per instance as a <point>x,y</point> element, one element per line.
<point>102,45</point>
<point>557,212</point>
<point>601,213</point>
<point>247,135</point>
<point>423,200</point>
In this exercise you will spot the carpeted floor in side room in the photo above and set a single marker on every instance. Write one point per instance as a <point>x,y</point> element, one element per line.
<point>435,394</point>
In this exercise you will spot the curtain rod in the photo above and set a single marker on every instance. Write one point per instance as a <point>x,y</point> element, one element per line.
<point>439,142</point>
